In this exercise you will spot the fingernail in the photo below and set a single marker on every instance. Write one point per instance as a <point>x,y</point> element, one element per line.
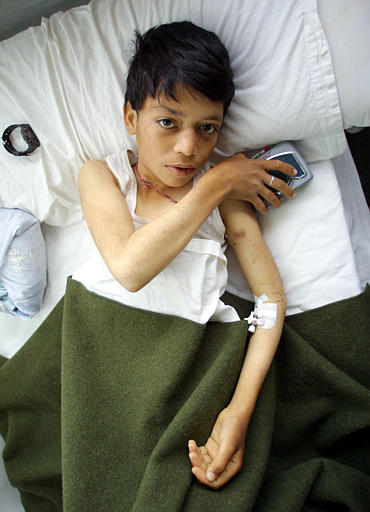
<point>211,476</point>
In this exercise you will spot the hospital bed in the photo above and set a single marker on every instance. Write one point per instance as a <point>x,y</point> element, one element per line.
<point>302,74</point>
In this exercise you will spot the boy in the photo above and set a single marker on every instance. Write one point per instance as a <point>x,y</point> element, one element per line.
<point>159,218</point>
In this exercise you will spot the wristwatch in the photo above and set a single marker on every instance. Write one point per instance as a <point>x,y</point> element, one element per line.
<point>28,136</point>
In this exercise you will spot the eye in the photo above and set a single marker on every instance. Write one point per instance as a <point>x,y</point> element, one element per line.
<point>209,129</point>
<point>166,123</point>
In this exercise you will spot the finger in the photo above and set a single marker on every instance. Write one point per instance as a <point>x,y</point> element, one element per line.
<point>194,454</point>
<point>271,197</point>
<point>194,460</point>
<point>221,480</point>
<point>199,456</point>
<point>220,462</point>
<point>192,445</point>
<point>278,165</point>
<point>277,184</point>
<point>216,484</point>
<point>239,155</point>
<point>260,205</point>
<point>199,467</point>
<point>200,475</point>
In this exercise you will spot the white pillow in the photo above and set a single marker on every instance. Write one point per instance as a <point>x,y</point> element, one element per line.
<point>22,263</point>
<point>347,27</point>
<point>66,79</point>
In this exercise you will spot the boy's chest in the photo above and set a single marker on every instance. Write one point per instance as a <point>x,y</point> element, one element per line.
<point>151,204</point>
<point>150,211</point>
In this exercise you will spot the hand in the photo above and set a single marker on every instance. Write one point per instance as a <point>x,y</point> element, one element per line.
<point>221,458</point>
<point>251,180</point>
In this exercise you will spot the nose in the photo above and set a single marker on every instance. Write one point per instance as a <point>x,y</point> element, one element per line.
<point>186,142</point>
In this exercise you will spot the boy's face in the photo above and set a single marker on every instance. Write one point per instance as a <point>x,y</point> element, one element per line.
<point>174,138</point>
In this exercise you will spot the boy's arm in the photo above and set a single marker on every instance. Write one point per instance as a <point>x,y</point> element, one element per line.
<point>221,457</point>
<point>135,257</point>
<point>125,250</point>
<point>259,268</point>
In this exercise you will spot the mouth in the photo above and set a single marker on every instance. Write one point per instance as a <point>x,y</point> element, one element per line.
<point>181,170</point>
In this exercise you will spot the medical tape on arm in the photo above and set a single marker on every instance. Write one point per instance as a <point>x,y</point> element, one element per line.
<point>263,315</point>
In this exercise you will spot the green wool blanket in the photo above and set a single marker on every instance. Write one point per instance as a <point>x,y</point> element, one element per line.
<point>97,407</point>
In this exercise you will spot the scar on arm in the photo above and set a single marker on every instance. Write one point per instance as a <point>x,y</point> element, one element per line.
<point>238,235</point>
<point>235,237</point>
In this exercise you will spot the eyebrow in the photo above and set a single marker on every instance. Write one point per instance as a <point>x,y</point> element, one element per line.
<point>175,112</point>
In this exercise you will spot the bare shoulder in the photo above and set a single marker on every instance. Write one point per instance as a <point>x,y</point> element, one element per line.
<point>95,173</point>
<point>93,167</point>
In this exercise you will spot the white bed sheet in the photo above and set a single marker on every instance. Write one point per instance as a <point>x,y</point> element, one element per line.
<point>320,240</point>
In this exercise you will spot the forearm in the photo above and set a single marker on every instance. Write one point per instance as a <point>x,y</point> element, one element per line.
<point>263,277</point>
<point>167,235</point>
<point>262,344</point>
<point>261,351</point>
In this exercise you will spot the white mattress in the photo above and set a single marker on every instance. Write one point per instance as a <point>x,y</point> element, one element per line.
<point>57,78</point>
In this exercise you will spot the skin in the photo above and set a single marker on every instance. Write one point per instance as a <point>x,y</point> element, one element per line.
<point>174,140</point>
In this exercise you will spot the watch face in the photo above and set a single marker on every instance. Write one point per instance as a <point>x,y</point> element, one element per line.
<point>20,134</point>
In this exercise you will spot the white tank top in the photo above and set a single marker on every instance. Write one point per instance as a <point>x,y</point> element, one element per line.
<point>190,286</point>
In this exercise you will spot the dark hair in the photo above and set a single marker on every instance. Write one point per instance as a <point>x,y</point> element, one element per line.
<point>179,53</point>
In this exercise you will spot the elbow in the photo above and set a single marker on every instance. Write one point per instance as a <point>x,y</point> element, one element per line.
<point>131,285</point>
<point>129,281</point>
<point>126,269</point>
<point>128,278</point>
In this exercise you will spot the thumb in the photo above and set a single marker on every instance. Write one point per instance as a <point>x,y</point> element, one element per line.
<point>239,155</point>
<point>226,451</point>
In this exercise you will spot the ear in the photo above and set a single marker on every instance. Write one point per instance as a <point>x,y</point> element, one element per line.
<point>130,118</point>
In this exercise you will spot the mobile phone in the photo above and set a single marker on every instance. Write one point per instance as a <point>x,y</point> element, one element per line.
<point>286,152</point>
